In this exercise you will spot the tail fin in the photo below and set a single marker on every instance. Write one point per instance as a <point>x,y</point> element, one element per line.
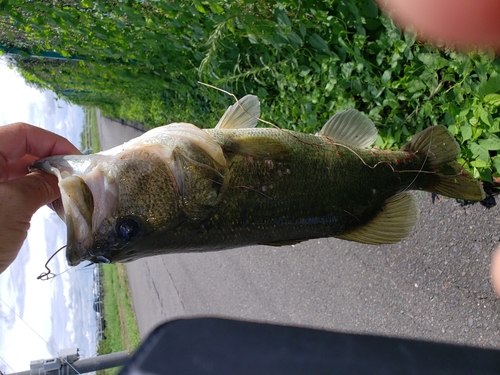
<point>441,151</point>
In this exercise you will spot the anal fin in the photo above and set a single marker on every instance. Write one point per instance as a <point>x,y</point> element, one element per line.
<point>394,223</point>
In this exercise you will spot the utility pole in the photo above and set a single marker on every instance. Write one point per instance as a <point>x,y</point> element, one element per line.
<point>68,363</point>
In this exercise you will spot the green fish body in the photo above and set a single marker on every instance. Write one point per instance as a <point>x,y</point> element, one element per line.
<point>179,188</point>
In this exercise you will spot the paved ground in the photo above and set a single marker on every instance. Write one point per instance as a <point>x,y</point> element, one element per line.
<point>434,285</point>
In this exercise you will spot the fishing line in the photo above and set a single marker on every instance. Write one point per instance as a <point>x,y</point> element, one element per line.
<point>420,171</point>
<point>423,164</point>
<point>49,274</point>
<point>288,133</point>
<point>239,104</point>
<point>50,346</point>
<point>258,118</point>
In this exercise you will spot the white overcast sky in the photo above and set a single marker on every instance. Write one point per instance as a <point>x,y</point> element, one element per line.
<point>39,318</point>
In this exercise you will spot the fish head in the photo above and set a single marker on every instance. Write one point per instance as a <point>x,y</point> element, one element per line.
<point>112,201</point>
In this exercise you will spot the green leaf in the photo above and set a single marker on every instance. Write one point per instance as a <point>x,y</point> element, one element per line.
<point>281,16</point>
<point>466,131</point>
<point>440,63</point>
<point>252,38</point>
<point>369,9</point>
<point>484,173</point>
<point>319,43</point>
<point>453,129</point>
<point>491,143</point>
<point>493,99</point>
<point>304,71</point>
<point>485,116</point>
<point>480,152</point>
<point>495,162</point>
<point>493,84</point>
<point>302,30</point>
<point>415,85</point>
<point>330,86</point>
<point>199,7</point>
<point>479,163</point>
<point>295,39</point>
<point>386,77</point>
<point>474,121</point>
<point>427,58</point>
<point>87,3</point>
<point>463,113</point>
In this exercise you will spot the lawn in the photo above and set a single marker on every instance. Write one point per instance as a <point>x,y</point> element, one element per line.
<point>121,331</point>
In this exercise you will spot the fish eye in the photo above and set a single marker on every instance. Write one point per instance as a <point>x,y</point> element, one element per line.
<point>127,228</point>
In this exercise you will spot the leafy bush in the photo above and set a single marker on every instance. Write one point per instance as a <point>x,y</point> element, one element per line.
<point>305,60</point>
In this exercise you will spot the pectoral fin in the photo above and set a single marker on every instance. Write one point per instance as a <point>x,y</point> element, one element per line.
<point>394,223</point>
<point>351,128</point>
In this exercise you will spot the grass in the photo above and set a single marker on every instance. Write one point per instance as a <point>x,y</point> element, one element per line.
<point>121,330</point>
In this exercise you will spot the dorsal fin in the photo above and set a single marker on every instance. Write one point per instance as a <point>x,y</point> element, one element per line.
<point>350,127</point>
<point>236,117</point>
<point>394,223</point>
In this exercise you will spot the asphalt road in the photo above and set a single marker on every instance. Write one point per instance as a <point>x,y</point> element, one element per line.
<point>433,286</point>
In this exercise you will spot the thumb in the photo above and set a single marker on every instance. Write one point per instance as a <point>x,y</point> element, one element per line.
<point>27,194</point>
<point>19,199</point>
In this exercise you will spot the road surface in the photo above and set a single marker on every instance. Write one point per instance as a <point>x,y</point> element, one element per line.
<point>434,285</point>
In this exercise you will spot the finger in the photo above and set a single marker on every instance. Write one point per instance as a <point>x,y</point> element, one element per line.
<point>19,139</point>
<point>17,169</point>
<point>495,270</point>
<point>23,196</point>
<point>460,23</point>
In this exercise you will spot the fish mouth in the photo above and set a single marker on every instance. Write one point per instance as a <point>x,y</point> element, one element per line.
<point>78,206</point>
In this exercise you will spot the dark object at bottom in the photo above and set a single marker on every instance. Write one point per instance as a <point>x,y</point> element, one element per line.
<point>219,346</point>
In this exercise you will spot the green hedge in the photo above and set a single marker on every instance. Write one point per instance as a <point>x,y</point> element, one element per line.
<point>142,60</point>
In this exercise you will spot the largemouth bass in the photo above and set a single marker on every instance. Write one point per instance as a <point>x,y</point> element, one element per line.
<point>178,188</point>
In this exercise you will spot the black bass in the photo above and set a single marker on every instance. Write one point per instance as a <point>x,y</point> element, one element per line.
<point>178,188</point>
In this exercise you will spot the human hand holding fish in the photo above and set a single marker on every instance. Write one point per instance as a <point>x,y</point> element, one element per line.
<point>21,194</point>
